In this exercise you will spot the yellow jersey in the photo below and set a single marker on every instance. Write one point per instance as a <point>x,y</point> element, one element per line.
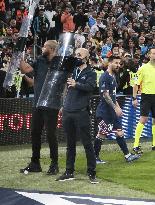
<point>99,73</point>
<point>146,78</point>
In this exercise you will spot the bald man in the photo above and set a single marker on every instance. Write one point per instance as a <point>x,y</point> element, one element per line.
<point>43,117</point>
<point>76,120</point>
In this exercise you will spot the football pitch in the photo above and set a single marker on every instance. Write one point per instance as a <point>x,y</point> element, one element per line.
<point>117,177</point>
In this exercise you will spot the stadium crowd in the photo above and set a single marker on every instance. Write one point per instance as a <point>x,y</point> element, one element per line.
<point>125,28</point>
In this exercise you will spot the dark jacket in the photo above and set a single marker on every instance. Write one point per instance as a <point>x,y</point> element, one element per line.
<point>80,20</point>
<point>41,25</point>
<point>77,98</point>
<point>49,81</point>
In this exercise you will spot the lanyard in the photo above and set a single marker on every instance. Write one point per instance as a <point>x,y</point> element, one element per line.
<point>77,73</point>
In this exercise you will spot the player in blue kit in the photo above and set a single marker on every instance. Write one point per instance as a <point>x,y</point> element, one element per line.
<point>108,111</point>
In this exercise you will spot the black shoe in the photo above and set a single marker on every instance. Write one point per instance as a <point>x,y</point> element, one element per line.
<point>138,150</point>
<point>132,157</point>
<point>92,179</point>
<point>32,167</point>
<point>65,177</point>
<point>53,169</point>
<point>153,148</point>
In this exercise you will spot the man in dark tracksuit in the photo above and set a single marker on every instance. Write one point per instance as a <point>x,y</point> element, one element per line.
<point>76,120</point>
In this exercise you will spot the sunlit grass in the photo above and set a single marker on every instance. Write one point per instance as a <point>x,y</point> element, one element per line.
<point>117,178</point>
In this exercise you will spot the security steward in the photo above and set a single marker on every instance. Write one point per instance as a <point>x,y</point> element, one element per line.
<point>76,120</point>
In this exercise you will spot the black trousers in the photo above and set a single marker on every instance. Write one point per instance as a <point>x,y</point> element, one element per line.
<point>78,124</point>
<point>47,118</point>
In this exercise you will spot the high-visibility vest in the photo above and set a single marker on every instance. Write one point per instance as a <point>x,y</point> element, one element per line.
<point>99,73</point>
<point>132,80</point>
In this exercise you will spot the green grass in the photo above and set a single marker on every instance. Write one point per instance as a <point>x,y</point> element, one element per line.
<point>117,178</point>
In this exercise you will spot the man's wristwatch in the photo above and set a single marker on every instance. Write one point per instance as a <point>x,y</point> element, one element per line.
<point>134,98</point>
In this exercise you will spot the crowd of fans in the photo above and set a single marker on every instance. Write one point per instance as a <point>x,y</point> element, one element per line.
<point>124,27</point>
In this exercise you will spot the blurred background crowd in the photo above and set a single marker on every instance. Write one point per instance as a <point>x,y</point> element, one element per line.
<point>120,27</point>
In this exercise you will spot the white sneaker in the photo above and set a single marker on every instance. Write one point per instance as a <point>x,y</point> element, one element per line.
<point>99,161</point>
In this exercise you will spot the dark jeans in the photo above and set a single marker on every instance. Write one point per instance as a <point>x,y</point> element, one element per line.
<point>47,118</point>
<point>78,124</point>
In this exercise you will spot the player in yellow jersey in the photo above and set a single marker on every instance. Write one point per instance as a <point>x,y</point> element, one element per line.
<point>146,80</point>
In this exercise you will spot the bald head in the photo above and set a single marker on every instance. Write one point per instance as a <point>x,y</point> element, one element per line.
<point>82,56</point>
<point>50,48</point>
<point>82,53</point>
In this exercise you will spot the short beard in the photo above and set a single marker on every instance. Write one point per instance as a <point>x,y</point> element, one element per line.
<point>116,71</point>
<point>45,54</point>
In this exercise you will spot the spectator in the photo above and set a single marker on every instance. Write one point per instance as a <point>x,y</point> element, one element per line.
<point>13,26</point>
<point>4,65</point>
<point>41,26</point>
<point>114,51</point>
<point>80,18</point>
<point>58,24</point>
<point>127,78</point>
<point>92,18</point>
<point>142,45</point>
<point>152,19</point>
<point>20,13</point>
<point>107,47</point>
<point>2,10</point>
<point>131,47</point>
<point>49,13</point>
<point>97,39</point>
<point>121,46</point>
<point>67,20</point>
<point>98,26</point>
<point>146,27</point>
<point>79,38</point>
